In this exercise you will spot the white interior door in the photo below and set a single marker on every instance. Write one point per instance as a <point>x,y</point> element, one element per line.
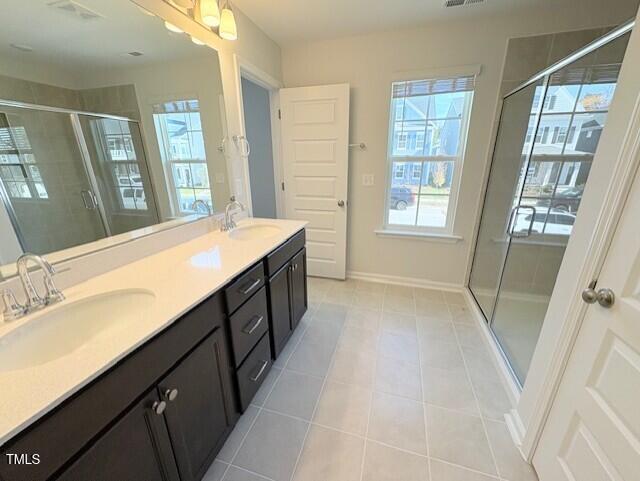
<point>593,430</point>
<point>315,152</point>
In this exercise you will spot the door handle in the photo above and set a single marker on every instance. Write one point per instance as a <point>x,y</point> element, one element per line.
<point>605,297</point>
<point>513,218</point>
<point>88,199</point>
<point>341,203</point>
<point>171,394</point>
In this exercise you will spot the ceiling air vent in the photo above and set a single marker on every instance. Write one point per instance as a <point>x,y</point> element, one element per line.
<point>69,7</point>
<point>461,3</point>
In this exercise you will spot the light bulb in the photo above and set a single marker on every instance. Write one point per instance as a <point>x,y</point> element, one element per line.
<point>197,41</point>
<point>210,13</point>
<point>228,29</point>
<point>171,27</point>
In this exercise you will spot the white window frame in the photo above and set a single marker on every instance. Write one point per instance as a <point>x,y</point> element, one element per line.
<point>168,162</point>
<point>448,229</point>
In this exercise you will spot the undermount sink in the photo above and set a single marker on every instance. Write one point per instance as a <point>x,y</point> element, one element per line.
<point>61,330</point>
<point>254,231</point>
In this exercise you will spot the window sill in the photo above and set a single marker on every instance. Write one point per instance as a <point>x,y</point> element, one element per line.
<point>425,236</point>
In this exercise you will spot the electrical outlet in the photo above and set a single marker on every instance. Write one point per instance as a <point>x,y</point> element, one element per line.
<point>367,180</point>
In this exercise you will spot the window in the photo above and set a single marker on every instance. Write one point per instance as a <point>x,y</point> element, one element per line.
<point>18,169</point>
<point>428,130</point>
<point>116,141</point>
<point>181,142</point>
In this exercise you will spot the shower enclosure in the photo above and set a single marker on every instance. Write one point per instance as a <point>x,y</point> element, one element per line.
<point>70,177</point>
<point>548,133</point>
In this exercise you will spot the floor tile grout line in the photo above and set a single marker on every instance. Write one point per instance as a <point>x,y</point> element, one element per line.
<point>315,407</point>
<point>261,476</point>
<point>375,375</point>
<point>424,407</point>
<point>482,420</point>
<point>260,408</point>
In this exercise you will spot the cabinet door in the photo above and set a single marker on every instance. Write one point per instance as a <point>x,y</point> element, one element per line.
<point>199,410</point>
<point>298,287</point>
<point>137,447</point>
<point>280,309</point>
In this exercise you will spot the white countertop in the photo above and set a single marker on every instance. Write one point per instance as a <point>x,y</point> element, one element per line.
<point>179,277</point>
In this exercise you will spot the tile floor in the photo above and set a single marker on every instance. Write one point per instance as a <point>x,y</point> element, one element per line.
<point>378,383</point>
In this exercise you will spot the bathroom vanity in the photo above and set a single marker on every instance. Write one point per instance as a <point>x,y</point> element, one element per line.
<point>157,400</point>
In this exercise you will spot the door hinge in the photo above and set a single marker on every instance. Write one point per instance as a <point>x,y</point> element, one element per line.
<point>280,116</point>
<point>282,184</point>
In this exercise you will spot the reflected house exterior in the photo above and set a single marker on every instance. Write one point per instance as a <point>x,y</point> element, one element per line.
<point>421,137</point>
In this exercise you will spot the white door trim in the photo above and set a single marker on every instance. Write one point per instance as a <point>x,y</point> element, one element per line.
<point>612,205</point>
<point>245,69</point>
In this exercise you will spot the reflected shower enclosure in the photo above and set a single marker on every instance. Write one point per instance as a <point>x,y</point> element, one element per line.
<point>68,178</point>
<point>547,137</point>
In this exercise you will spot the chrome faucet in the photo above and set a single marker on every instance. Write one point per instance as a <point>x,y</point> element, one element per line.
<point>228,223</point>
<point>34,300</point>
<point>198,202</point>
<point>12,308</point>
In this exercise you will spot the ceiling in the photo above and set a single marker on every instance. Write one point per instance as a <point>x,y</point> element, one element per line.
<point>64,39</point>
<point>288,21</point>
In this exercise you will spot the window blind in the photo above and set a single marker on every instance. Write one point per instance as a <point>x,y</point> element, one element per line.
<point>415,88</point>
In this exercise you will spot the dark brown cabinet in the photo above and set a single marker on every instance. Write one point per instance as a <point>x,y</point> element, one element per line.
<point>136,447</point>
<point>199,412</point>
<point>165,410</point>
<point>298,286</point>
<point>287,300</point>
<point>175,432</point>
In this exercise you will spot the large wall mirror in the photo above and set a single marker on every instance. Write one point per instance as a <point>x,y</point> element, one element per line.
<point>109,123</point>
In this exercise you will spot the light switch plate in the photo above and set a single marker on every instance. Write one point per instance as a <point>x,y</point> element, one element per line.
<point>219,178</point>
<point>367,179</point>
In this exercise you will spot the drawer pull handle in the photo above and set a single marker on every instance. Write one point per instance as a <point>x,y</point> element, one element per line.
<point>158,407</point>
<point>253,325</point>
<point>254,284</point>
<point>260,371</point>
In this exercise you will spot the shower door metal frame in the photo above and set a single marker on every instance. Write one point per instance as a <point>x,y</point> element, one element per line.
<point>84,155</point>
<point>545,75</point>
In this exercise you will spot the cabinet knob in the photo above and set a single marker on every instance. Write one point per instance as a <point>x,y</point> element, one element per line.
<point>171,394</point>
<point>158,407</point>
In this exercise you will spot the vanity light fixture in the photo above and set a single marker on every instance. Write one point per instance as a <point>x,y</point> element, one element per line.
<point>210,13</point>
<point>197,41</point>
<point>228,29</point>
<point>172,28</point>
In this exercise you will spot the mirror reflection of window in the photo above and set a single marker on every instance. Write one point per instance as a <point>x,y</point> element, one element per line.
<point>18,170</point>
<point>181,142</point>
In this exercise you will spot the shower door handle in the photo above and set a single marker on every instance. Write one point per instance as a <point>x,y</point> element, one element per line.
<point>89,199</point>
<point>513,219</point>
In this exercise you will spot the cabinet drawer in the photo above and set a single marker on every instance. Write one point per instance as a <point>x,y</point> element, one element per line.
<point>244,287</point>
<point>286,251</point>
<point>253,371</point>
<point>248,325</point>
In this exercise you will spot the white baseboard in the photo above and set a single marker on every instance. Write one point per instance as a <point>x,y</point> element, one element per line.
<point>517,430</point>
<point>404,281</point>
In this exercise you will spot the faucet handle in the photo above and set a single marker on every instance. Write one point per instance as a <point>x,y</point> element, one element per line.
<point>12,309</point>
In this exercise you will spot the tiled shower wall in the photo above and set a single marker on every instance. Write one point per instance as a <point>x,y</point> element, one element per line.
<point>60,221</point>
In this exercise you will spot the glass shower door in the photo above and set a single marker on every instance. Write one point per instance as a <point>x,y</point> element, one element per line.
<point>573,117</point>
<point>45,185</point>
<point>518,124</point>
<point>118,163</point>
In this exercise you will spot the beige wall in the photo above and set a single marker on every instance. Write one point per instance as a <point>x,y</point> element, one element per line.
<point>368,64</point>
<point>253,46</point>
